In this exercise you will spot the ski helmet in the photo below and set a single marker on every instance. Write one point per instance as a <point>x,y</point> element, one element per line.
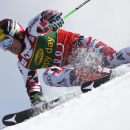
<point>12,28</point>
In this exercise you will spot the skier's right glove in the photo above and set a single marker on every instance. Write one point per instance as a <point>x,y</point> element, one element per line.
<point>55,21</point>
<point>36,98</point>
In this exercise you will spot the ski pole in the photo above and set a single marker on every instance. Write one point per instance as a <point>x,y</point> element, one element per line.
<point>76,9</point>
<point>73,11</point>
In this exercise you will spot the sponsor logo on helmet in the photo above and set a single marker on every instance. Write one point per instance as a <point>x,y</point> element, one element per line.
<point>8,27</point>
<point>13,28</point>
<point>14,25</point>
<point>39,56</point>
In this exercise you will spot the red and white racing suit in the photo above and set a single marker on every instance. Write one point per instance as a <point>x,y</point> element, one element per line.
<point>118,58</point>
<point>64,54</point>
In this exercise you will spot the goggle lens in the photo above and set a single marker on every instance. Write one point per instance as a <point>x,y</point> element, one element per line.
<point>6,42</point>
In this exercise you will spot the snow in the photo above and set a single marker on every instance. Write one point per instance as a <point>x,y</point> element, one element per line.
<point>106,107</point>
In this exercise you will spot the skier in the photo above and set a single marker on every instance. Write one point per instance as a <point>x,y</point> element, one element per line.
<point>66,55</point>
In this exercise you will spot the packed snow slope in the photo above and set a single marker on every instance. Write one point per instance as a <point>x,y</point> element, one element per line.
<point>105,107</point>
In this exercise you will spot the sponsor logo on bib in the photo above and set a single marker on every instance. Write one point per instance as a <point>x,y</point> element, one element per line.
<point>39,56</point>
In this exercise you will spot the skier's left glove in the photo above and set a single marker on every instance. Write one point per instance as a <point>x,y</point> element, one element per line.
<point>37,98</point>
<point>55,21</point>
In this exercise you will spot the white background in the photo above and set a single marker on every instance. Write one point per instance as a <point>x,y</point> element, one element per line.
<point>108,21</point>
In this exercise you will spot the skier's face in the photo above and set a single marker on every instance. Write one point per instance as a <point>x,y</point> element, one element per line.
<point>16,47</point>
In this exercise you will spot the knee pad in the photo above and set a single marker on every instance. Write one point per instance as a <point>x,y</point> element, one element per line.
<point>59,77</point>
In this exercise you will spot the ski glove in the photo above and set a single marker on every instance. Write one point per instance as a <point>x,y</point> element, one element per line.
<point>36,98</point>
<point>55,21</point>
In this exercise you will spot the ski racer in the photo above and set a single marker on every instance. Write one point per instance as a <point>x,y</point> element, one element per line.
<point>66,55</point>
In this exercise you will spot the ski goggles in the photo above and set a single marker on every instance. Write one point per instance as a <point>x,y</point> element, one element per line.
<point>6,42</point>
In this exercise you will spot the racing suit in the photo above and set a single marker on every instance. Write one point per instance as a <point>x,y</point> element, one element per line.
<point>116,59</point>
<point>60,49</point>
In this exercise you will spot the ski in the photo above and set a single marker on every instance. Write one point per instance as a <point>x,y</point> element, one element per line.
<point>88,86</point>
<point>15,118</point>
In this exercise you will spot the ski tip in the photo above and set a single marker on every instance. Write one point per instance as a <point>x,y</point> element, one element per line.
<point>9,120</point>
